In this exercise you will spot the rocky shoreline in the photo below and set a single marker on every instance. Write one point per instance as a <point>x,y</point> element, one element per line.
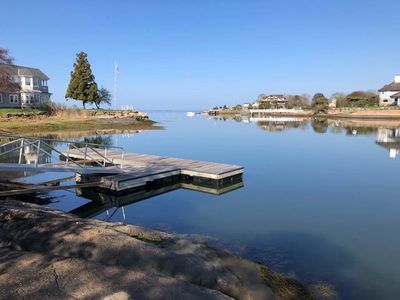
<point>48,254</point>
<point>84,121</point>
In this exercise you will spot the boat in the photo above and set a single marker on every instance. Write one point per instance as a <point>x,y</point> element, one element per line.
<point>190,114</point>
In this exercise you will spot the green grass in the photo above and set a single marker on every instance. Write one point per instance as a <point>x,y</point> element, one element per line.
<point>15,111</point>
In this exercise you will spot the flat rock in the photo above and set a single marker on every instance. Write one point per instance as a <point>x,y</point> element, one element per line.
<point>45,253</point>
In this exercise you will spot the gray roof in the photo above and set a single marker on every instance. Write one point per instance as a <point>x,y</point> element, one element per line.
<point>397,95</point>
<point>391,87</point>
<point>23,71</point>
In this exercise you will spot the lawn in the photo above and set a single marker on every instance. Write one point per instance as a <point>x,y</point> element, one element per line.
<point>16,111</point>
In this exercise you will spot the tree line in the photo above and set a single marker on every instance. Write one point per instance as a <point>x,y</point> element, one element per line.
<point>320,104</point>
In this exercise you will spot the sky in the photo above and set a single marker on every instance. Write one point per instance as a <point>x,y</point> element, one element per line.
<point>180,54</point>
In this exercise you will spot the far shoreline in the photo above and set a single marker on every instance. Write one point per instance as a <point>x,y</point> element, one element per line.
<point>355,113</point>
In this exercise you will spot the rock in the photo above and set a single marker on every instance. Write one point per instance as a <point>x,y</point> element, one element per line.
<point>94,259</point>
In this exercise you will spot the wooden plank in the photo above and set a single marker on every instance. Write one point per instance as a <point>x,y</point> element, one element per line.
<point>12,167</point>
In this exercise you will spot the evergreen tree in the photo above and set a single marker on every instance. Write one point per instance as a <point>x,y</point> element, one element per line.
<point>320,104</point>
<point>82,86</point>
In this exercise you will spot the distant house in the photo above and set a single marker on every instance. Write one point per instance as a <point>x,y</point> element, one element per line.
<point>34,90</point>
<point>390,93</point>
<point>275,101</point>
<point>333,103</point>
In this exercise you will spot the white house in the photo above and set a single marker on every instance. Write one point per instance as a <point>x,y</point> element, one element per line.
<point>276,101</point>
<point>390,93</point>
<point>34,90</point>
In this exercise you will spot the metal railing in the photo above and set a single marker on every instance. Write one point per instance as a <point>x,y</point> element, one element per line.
<point>92,154</point>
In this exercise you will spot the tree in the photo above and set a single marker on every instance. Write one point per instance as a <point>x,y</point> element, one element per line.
<point>298,101</point>
<point>362,99</point>
<point>6,81</point>
<point>340,98</point>
<point>260,97</point>
<point>82,86</point>
<point>5,58</point>
<point>265,105</point>
<point>320,104</point>
<point>103,96</point>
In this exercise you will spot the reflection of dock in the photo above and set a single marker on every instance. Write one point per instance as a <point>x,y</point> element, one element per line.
<point>101,201</point>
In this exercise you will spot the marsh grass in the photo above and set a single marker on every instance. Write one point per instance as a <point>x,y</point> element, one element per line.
<point>285,288</point>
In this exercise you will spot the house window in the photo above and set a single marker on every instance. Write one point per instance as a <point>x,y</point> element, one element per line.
<point>385,100</point>
<point>28,99</point>
<point>1,98</point>
<point>27,81</point>
<point>13,98</point>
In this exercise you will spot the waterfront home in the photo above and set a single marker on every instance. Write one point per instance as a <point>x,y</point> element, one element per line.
<point>33,90</point>
<point>274,101</point>
<point>390,93</point>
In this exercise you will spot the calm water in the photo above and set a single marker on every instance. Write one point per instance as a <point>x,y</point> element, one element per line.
<point>318,203</point>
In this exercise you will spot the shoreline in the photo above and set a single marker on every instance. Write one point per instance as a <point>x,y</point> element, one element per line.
<point>360,114</point>
<point>87,122</point>
<point>87,258</point>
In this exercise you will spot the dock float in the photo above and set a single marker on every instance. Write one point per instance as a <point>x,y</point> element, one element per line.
<point>137,171</point>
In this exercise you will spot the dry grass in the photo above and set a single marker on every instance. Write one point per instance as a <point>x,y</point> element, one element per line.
<point>71,123</point>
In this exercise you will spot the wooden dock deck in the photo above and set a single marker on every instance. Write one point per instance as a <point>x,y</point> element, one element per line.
<point>139,170</point>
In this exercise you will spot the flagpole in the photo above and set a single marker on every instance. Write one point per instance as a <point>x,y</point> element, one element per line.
<point>115,84</point>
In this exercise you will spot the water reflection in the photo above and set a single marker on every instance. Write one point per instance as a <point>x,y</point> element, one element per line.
<point>387,131</point>
<point>280,124</point>
<point>320,125</point>
<point>389,138</point>
<point>102,201</point>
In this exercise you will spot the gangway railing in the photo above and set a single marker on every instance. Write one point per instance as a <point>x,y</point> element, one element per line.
<point>94,155</point>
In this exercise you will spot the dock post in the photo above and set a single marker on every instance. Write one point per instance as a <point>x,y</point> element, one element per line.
<point>122,159</point>
<point>21,151</point>
<point>37,153</point>
<point>67,157</point>
<point>84,158</point>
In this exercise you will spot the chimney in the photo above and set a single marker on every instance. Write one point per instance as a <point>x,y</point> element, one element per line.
<point>397,78</point>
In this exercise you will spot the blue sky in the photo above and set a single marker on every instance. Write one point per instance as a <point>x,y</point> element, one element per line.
<point>180,54</point>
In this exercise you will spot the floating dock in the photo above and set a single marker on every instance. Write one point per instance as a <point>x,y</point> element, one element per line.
<point>137,171</point>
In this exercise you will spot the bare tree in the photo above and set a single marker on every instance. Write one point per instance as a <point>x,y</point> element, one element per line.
<point>6,82</point>
<point>5,58</point>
